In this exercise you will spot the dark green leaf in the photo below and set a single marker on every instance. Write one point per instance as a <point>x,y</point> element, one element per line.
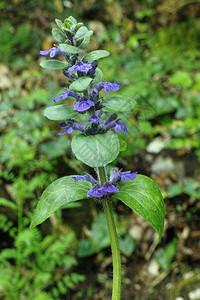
<point>59,193</point>
<point>97,54</point>
<point>143,195</point>
<point>80,84</point>
<point>119,103</point>
<point>60,112</point>
<point>96,150</point>
<point>69,49</point>
<point>53,64</point>
<point>58,35</point>
<point>82,33</point>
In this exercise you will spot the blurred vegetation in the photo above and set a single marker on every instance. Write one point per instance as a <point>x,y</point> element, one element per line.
<point>155,56</point>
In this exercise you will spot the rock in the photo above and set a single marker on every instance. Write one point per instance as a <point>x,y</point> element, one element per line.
<point>153,268</point>
<point>98,28</point>
<point>156,145</point>
<point>136,232</point>
<point>5,82</point>
<point>194,295</point>
<point>167,164</point>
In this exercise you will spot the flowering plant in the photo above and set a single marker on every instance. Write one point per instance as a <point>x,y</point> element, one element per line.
<point>97,144</point>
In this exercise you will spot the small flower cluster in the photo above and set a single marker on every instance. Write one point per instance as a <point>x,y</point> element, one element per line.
<point>98,125</point>
<point>109,187</point>
<point>78,67</point>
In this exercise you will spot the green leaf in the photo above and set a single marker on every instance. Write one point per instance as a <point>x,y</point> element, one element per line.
<point>85,42</point>
<point>181,77</point>
<point>119,103</point>
<point>53,64</point>
<point>80,84</point>
<point>98,76</point>
<point>143,196</point>
<point>164,256</point>
<point>7,203</point>
<point>59,23</point>
<point>127,245</point>
<point>97,54</point>
<point>58,35</point>
<point>123,145</point>
<point>60,112</point>
<point>98,240</point>
<point>69,48</point>
<point>59,193</point>
<point>96,150</point>
<point>82,33</point>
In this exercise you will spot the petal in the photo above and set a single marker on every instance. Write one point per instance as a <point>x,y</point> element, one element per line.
<point>124,128</point>
<point>44,52</point>
<point>114,86</point>
<point>63,124</point>
<point>117,128</point>
<point>63,132</point>
<point>70,130</point>
<point>132,175</point>
<point>106,89</point>
<point>71,68</point>
<point>123,178</point>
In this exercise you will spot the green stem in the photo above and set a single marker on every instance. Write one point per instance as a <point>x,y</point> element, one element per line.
<point>107,206</point>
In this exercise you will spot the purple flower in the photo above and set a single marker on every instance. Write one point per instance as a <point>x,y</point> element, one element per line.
<point>95,191</point>
<point>87,177</point>
<point>53,52</point>
<point>83,104</point>
<point>120,126</point>
<point>80,66</point>
<point>66,94</point>
<point>95,118</point>
<point>127,174</point>
<point>70,126</point>
<point>116,175</point>
<point>113,122</point>
<point>107,86</point>
<point>109,188</point>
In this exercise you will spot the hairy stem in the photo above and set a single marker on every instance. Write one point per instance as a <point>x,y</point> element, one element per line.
<point>108,210</point>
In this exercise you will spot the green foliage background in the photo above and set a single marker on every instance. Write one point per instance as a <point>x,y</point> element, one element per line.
<point>154,49</point>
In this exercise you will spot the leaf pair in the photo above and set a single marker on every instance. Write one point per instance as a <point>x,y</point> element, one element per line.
<point>141,194</point>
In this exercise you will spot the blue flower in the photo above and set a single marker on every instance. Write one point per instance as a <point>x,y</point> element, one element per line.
<point>107,86</point>
<point>66,94</point>
<point>113,122</point>
<point>80,66</point>
<point>95,192</point>
<point>119,126</point>
<point>109,188</point>
<point>87,177</point>
<point>53,52</point>
<point>116,175</point>
<point>127,174</point>
<point>70,126</point>
<point>95,118</point>
<point>83,104</point>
